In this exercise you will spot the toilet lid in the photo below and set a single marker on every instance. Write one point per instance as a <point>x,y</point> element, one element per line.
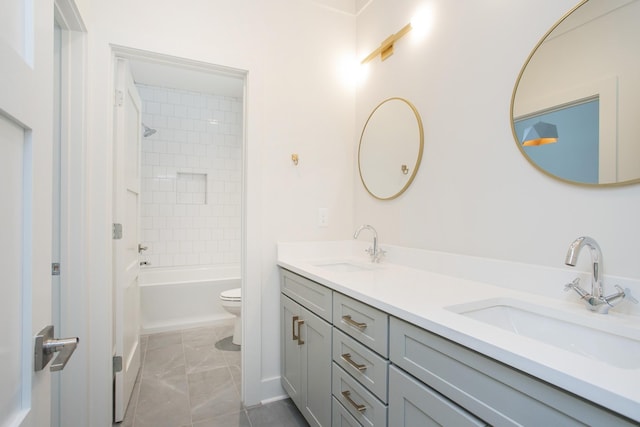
<point>231,294</point>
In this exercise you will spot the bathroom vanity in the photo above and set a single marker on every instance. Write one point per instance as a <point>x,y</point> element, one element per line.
<point>389,345</point>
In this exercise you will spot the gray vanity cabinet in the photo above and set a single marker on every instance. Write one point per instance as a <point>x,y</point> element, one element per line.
<point>360,363</point>
<point>306,348</point>
<point>494,392</point>
<point>383,371</point>
<point>412,403</point>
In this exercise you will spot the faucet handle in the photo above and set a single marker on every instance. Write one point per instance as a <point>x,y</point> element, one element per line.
<point>575,283</point>
<point>626,293</point>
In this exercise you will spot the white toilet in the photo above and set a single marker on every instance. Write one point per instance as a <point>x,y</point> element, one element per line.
<point>232,302</point>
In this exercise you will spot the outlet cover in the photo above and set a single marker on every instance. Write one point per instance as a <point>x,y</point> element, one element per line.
<point>323,217</point>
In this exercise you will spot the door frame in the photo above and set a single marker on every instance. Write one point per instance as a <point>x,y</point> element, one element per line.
<point>73,392</point>
<point>251,390</point>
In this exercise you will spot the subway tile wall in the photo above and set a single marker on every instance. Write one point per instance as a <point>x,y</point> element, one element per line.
<point>191,178</point>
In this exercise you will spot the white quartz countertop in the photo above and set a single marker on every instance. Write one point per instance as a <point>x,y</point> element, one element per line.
<point>421,297</point>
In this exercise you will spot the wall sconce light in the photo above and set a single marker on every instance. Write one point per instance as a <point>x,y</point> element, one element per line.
<point>386,47</point>
<point>540,134</point>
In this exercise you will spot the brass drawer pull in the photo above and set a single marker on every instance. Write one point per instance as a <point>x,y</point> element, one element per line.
<point>295,321</point>
<point>360,408</point>
<point>347,358</point>
<point>300,340</point>
<point>294,337</point>
<point>347,319</point>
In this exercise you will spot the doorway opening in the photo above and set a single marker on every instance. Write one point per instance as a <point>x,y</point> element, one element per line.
<point>192,202</point>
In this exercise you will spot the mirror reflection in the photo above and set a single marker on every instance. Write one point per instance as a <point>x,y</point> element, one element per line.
<point>575,102</point>
<point>390,148</point>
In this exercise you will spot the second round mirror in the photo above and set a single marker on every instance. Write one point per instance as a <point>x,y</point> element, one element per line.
<point>391,148</point>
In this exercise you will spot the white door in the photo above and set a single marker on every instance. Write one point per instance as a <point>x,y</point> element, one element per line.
<point>127,134</point>
<point>26,117</point>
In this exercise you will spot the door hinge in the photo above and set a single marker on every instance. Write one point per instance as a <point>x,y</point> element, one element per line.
<point>117,364</point>
<point>119,98</point>
<point>117,231</point>
<point>55,269</point>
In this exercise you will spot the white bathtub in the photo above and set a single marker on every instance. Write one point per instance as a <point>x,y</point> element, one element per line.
<point>182,297</point>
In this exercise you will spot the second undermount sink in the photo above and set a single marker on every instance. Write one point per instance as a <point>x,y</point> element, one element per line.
<point>346,265</point>
<point>592,336</point>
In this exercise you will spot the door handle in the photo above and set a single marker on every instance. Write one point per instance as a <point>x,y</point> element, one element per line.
<point>46,346</point>
<point>142,248</point>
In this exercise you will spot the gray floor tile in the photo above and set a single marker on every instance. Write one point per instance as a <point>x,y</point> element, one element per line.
<point>282,413</point>
<point>236,374</point>
<point>200,337</point>
<point>164,400</point>
<point>200,359</point>
<point>213,393</point>
<point>233,358</point>
<point>164,339</point>
<point>144,343</point>
<point>161,360</point>
<point>224,328</point>
<point>189,379</point>
<point>239,419</point>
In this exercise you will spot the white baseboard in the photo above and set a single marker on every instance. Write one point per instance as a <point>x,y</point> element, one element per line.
<point>272,390</point>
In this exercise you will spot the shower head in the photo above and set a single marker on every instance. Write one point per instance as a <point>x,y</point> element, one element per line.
<point>148,131</point>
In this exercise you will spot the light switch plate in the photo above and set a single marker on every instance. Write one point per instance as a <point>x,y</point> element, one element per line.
<point>323,217</point>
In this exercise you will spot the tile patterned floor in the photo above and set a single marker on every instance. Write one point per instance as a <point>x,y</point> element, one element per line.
<point>187,379</point>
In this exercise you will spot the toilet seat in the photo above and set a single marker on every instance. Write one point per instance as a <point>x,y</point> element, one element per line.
<point>233,295</point>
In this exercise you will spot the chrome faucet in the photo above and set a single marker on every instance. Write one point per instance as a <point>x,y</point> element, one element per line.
<point>596,300</point>
<point>374,252</point>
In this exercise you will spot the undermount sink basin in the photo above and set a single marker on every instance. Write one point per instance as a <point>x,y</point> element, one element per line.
<point>346,266</point>
<point>593,336</point>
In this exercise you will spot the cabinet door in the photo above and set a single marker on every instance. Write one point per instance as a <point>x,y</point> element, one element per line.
<point>290,358</point>
<point>316,369</point>
<point>411,403</point>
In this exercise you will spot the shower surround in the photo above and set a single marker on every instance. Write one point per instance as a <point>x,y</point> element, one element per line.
<point>191,178</point>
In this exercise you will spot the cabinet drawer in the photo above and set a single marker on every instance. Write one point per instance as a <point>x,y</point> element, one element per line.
<point>495,392</point>
<point>341,417</point>
<point>312,295</point>
<point>411,403</point>
<point>363,364</point>
<point>366,324</point>
<point>360,402</point>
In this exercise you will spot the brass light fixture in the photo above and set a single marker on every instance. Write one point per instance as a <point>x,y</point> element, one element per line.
<point>540,133</point>
<point>386,47</point>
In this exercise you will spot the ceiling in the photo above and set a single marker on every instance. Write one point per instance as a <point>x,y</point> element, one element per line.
<point>187,77</point>
<point>155,70</point>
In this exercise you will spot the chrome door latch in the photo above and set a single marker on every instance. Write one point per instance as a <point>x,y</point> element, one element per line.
<point>46,345</point>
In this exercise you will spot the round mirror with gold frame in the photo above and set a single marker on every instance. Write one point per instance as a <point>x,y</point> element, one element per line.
<point>575,102</point>
<point>390,148</point>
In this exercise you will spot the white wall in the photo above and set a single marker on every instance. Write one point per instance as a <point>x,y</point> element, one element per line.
<point>475,193</point>
<point>191,178</point>
<point>297,102</point>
